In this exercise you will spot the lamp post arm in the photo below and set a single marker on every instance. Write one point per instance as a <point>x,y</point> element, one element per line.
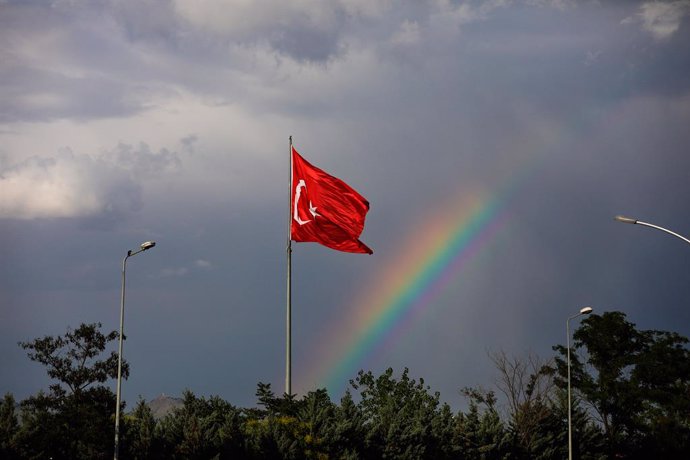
<point>646,224</point>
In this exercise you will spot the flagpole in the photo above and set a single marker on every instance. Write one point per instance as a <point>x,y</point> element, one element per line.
<point>288,347</point>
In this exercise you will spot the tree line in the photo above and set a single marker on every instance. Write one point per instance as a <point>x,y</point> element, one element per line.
<point>631,400</point>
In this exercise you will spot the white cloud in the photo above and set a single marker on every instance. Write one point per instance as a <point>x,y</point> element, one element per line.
<point>77,185</point>
<point>177,272</point>
<point>661,19</point>
<point>173,272</point>
<point>201,263</point>
<point>48,187</point>
<point>592,57</point>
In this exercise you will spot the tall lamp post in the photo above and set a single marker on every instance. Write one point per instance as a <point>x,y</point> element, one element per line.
<point>628,220</point>
<point>583,311</point>
<point>144,246</point>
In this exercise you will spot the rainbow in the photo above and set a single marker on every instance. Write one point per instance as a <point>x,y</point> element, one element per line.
<point>426,262</point>
<point>429,258</point>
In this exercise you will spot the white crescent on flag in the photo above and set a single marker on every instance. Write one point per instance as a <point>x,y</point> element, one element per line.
<point>298,192</point>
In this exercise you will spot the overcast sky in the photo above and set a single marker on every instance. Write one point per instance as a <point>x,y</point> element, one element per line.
<point>525,124</point>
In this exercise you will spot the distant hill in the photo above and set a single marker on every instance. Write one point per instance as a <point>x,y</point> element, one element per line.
<point>163,405</point>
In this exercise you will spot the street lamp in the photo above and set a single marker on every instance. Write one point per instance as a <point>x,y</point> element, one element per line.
<point>143,247</point>
<point>583,311</point>
<point>628,220</point>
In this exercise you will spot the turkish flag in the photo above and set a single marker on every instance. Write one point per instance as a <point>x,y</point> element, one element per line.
<point>325,209</point>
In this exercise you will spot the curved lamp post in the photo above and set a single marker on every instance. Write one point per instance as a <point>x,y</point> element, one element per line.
<point>628,220</point>
<point>583,311</point>
<point>143,247</point>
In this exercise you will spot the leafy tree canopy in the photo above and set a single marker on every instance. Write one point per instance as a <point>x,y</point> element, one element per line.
<point>74,358</point>
<point>635,381</point>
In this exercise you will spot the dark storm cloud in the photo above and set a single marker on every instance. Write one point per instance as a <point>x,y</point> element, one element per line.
<point>305,44</point>
<point>54,96</point>
<point>65,61</point>
<point>96,67</point>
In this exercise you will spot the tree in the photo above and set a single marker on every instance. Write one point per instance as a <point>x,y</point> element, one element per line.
<point>200,429</point>
<point>528,393</point>
<point>73,420</point>
<point>349,430</point>
<point>480,435</point>
<point>317,423</point>
<point>637,384</point>
<point>72,359</point>
<point>275,431</point>
<point>138,441</point>
<point>8,427</point>
<point>551,433</point>
<point>399,416</point>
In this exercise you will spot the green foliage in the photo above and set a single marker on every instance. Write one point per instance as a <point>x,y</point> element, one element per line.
<point>70,426</point>
<point>9,426</point>
<point>285,405</point>
<point>551,433</point>
<point>529,398</point>
<point>480,434</point>
<point>317,418</point>
<point>637,383</point>
<point>274,431</point>
<point>399,416</point>
<point>72,359</point>
<point>631,397</point>
<point>291,428</point>
<point>348,429</point>
<point>138,433</point>
<point>73,420</point>
<point>200,429</point>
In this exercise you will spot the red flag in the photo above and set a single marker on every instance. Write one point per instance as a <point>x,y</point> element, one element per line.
<point>325,209</point>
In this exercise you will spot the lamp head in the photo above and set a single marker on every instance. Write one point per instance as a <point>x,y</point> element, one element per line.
<point>625,220</point>
<point>586,310</point>
<point>147,245</point>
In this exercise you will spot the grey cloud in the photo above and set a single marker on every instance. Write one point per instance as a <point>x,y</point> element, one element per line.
<point>188,142</point>
<point>553,3</point>
<point>141,161</point>
<point>306,44</point>
<point>67,61</point>
<point>146,20</point>
<point>305,30</point>
<point>592,57</point>
<point>36,95</point>
<point>89,60</point>
<point>317,32</point>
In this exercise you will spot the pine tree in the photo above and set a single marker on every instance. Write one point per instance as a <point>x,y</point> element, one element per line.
<point>9,426</point>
